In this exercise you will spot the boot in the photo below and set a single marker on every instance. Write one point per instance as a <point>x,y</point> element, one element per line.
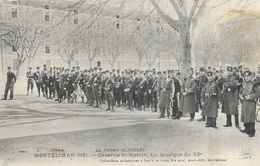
<point>162,110</point>
<point>229,124</point>
<point>214,123</point>
<point>209,122</point>
<point>202,119</point>
<point>192,115</point>
<point>237,121</point>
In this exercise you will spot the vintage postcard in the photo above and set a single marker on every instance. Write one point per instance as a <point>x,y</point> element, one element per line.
<point>129,82</point>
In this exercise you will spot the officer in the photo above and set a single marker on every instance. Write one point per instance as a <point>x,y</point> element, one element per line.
<point>229,97</point>
<point>108,87</point>
<point>202,80</point>
<point>39,84</point>
<point>210,100</point>
<point>30,81</point>
<point>165,92</point>
<point>249,94</point>
<point>188,99</point>
<point>11,79</point>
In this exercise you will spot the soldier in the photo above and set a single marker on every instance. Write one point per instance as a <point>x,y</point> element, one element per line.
<point>165,91</point>
<point>95,87</point>
<point>188,100</point>
<point>249,94</point>
<point>141,91</point>
<point>118,88</point>
<point>210,100</point>
<point>129,90</point>
<point>149,96</point>
<point>202,80</point>
<point>154,89</point>
<point>38,80</point>
<point>63,84</point>
<point>176,96</point>
<point>11,79</point>
<point>45,81</point>
<point>30,81</point>
<point>229,97</point>
<point>71,85</point>
<point>108,87</point>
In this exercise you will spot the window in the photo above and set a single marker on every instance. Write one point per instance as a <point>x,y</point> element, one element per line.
<point>14,49</point>
<point>117,16</point>
<point>117,26</point>
<point>14,13</point>
<point>76,63</point>
<point>76,21</point>
<point>14,2</point>
<point>98,64</point>
<point>48,64</point>
<point>47,17</point>
<point>15,64</point>
<point>47,49</point>
<point>47,7</point>
<point>75,11</point>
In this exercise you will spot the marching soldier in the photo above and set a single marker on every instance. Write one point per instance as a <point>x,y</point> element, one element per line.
<point>249,94</point>
<point>30,81</point>
<point>38,80</point>
<point>188,100</point>
<point>210,100</point>
<point>229,97</point>
<point>165,91</point>
<point>11,79</point>
<point>108,87</point>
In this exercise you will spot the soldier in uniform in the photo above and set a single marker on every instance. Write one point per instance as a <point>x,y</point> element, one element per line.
<point>249,94</point>
<point>210,100</point>
<point>63,84</point>
<point>118,89</point>
<point>95,87</point>
<point>30,81</point>
<point>229,97</point>
<point>129,90</point>
<point>45,81</point>
<point>176,96</point>
<point>154,89</point>
<point>165,91</point>
<point>188,99</point>
<point>11,79</point>
<point>38,80</point>
<point>202,80</point>
<point>108,87</point>
<point>149,96</point>
<point>141,91</point>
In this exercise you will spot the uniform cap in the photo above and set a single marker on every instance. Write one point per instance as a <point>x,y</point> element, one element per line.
<point>209,73</point>
<point>247,73</point>
<point>229,69</point>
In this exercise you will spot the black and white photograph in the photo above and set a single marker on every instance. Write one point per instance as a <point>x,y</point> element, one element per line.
<point>129,82</point>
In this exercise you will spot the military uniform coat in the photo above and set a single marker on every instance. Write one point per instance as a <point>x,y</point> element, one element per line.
<point>249,106</point>
<point>188,101</point>
<point>165,90</point>
<point>229,99</point>
<point>210,95</point>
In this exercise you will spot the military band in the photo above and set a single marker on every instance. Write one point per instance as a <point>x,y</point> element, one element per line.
<point>207,90</point>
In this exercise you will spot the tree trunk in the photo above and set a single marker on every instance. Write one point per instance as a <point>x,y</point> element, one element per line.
<point>186,46</point>
<point>69,65</point>
<point>90,63</point>
<point>28,63</point>
<point>18,70</point>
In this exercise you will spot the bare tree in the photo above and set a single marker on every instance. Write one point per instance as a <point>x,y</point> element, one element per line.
<point>68,48</point>
<point>24,36</point>
<point>114,46</point>
<point>187,20</point>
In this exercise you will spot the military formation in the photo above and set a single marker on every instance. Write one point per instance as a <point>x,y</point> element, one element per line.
<point>167,92</point>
